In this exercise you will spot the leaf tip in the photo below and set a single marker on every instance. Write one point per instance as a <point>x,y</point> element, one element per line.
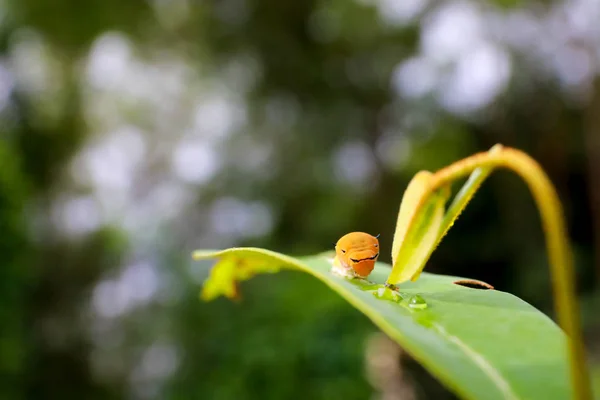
<point>198,255</point>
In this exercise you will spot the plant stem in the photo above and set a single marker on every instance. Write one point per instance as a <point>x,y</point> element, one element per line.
<point>559,253</point>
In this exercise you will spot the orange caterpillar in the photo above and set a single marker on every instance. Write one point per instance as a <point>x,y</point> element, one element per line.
<point>356,254</point>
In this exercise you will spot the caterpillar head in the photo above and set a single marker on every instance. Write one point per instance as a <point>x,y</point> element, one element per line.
<point>359,251</point>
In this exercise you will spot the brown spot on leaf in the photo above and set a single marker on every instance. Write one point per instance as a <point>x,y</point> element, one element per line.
<point>473,284</point>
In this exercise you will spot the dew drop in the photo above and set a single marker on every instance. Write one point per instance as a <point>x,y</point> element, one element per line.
<point>417,302</point>
<point>363,284</point>
<point>385,293</point>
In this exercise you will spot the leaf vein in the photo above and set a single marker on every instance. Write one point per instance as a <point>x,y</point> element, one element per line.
<point>478,359</point>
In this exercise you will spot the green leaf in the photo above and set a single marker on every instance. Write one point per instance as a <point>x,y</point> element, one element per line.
<point>423,221</point>
<point>482,344</point>
<point>421,236</point>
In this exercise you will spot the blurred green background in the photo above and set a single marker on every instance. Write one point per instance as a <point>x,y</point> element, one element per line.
<point>133,132</point>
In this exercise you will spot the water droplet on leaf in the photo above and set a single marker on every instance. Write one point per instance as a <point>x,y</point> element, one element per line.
<point>417,302</point>
<point>385,293</point>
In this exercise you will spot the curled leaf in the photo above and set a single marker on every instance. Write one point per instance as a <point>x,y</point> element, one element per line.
<point>417,228</point>
<point>231,269</point>
<point>423,222</point>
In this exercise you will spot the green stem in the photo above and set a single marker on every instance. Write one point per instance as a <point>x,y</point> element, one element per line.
<point>559,254</point>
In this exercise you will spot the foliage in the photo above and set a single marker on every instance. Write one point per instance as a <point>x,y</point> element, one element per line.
<point>305,111</point>
<point>484,344</point>
<point>422,222</point>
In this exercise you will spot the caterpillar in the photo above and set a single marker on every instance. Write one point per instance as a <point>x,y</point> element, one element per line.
<point>356,254</point>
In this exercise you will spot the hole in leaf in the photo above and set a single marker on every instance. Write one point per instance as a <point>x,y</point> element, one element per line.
<point>474,284</point>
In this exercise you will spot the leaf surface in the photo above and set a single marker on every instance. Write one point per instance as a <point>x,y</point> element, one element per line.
<point>482,344</point>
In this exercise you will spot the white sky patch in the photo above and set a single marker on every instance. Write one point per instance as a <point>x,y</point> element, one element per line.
<point>237,219</point>
<point>120,86</point>
<point>110,161</point>
<point>136,286</point>
<point>163,203</point>
<point>400,12</point>
<point>574,65</point>
<point>415,77</point>
<point>109,166</point>
<point>582,17</point>
<point>166,201</point>
<point>110,300</point>
<point>478,77</point>
<point>195,161</point>
<point>30,61</point>
<point>563,42</point>
<point>109,61</point>
<point>518,28</point>
<point>354,164</point>
<point>173,76</point>
<point>141,280</point>
<point>242,72</point>
<point>219,115</point>
<point>77,216</point>
<point>450,31</point>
